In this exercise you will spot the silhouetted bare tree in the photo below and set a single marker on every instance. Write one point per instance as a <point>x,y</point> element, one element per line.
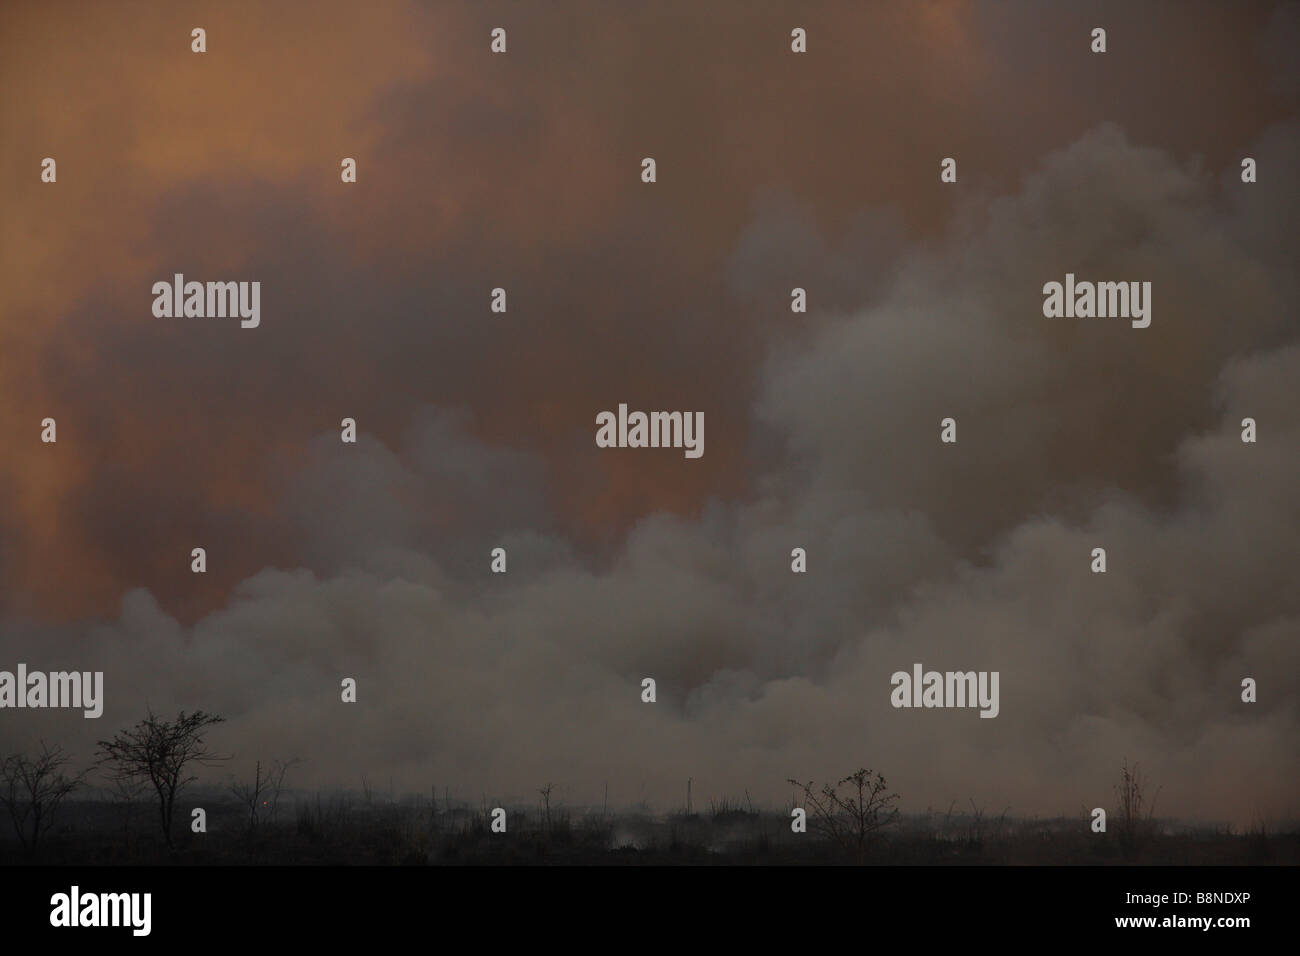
<point>279,769</point>
<point>850,818</point>
<point>250,794</point>
<point>31,789</point>
<point>159,751</point>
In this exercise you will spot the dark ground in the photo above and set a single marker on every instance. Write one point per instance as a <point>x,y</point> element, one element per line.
<point>344,829</point>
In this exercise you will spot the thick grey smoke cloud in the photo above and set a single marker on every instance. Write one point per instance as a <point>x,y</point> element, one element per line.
<point>1073,434</point>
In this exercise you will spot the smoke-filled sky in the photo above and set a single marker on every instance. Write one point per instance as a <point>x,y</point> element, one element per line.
<point>775,170</point>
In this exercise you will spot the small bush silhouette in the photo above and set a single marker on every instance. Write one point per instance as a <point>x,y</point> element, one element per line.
<point>852,811</point>
<point>1136,823</point>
